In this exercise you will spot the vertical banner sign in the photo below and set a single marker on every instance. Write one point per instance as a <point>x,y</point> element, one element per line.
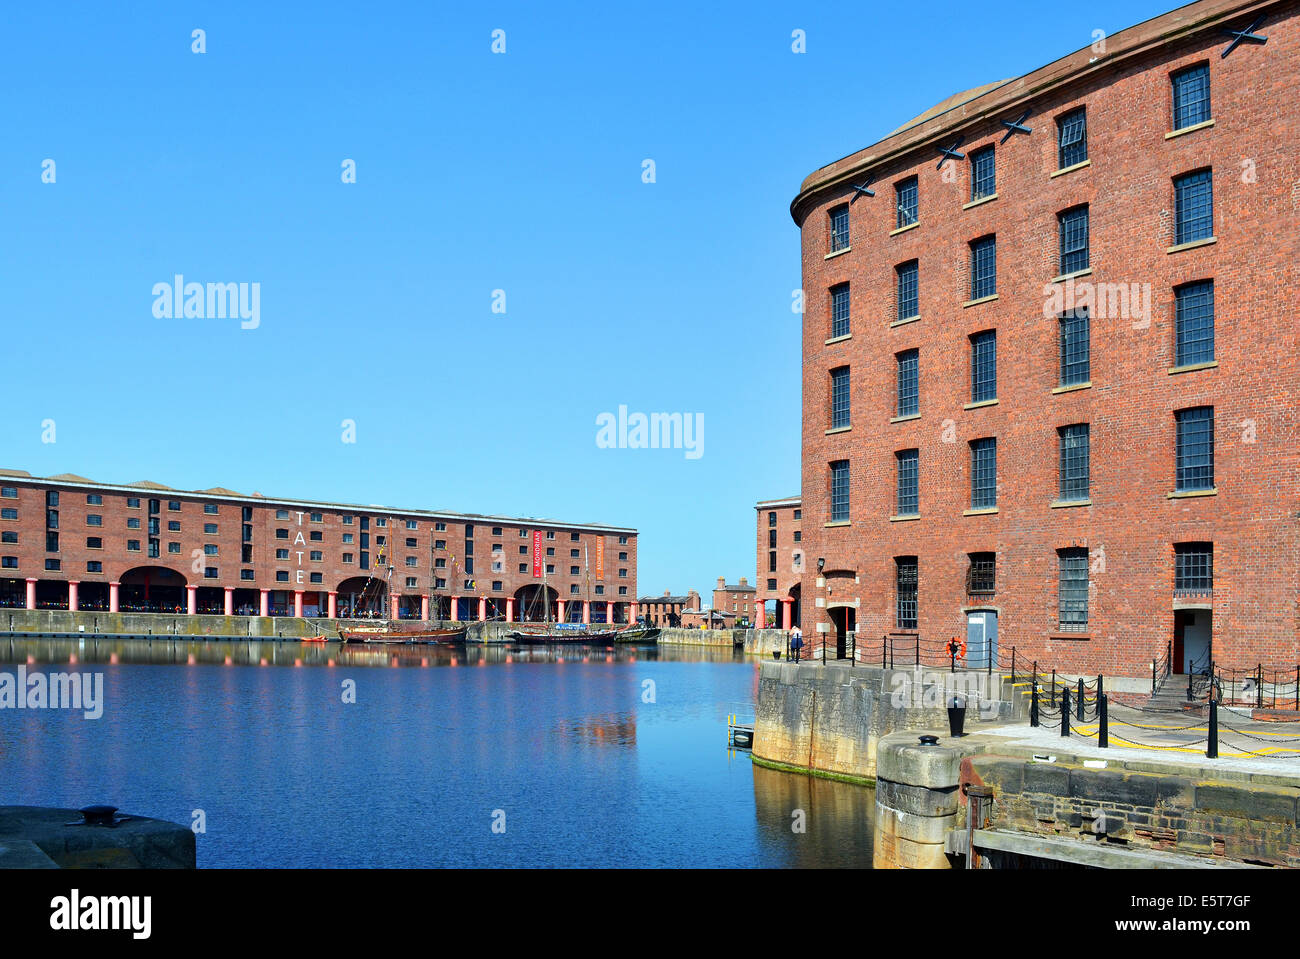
<point>537,554</point>
<point>600,557</point>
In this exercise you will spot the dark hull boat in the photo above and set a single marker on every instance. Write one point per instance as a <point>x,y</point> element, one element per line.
<point>549,635</point>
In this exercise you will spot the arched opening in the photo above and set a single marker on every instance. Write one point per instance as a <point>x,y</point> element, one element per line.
<point>620,612</point>
<point>796,611</point>
<point>356,601</point>
<point>535,603</point>
<point>152,589</point>
<point>844,620</point>
<point>573,610</point>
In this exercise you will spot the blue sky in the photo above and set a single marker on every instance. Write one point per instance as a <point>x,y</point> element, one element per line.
<point>475,172</point>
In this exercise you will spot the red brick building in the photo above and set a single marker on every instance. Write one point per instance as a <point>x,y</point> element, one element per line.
<point>1052,359</point>
<point>666,610</point>
<point>780,562</point>
<point>67,542</point>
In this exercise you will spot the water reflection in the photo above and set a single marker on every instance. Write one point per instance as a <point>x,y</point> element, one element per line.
<point>837,818</point>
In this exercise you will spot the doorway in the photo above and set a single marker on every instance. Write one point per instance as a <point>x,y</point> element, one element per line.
<point>981,639</point>
<point>845,621</point>
<point>1192,640</point>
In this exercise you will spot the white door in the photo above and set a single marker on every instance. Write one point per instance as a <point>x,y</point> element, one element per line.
<point>1196,643</point>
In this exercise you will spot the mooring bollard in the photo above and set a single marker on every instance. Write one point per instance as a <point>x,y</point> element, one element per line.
<point>1065,711</point>
<point>1103,729</point>
<point>956,716</point>
<point>1212,741</point>
<point>1033,704</point>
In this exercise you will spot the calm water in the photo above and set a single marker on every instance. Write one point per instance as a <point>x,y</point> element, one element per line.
<point>562,740</point>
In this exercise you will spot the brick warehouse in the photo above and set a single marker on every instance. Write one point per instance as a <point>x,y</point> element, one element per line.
<point>780,562</point>
<point>67,542</point>
<point>1051,359</point>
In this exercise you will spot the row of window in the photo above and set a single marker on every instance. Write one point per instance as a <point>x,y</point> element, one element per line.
<point>1193,345</point>
<point>1193,575</point>
<point>1193,221</point>
<point>1193,467</point>
<point>1191,106</point>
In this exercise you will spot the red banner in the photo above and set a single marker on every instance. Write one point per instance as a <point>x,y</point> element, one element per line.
<point>537,554</point>
<point>600,557</point>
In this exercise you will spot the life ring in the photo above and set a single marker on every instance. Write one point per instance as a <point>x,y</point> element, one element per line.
<point>960,645</point>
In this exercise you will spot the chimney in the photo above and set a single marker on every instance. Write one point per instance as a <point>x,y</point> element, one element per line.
<point>722,582</point>
<point>668,592</point>
<point>743,581</point>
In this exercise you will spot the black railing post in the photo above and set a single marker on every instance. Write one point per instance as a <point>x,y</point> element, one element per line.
<point>854,661</point>
<point>1212,742</point>
<point>824,635</point>
<point>1013,669</point>
<point>1065,711</point>
<point>1103,729</point>
<point>1051,696</point>
<point>884,652</point>
<point>918,649</point>
<point>1169,657</point>
<point>1190,674</point>
<point>1153,677</point>
<point>952,657</point>
<point>1078,706</point>
<point>1033,703</point>
<point>1259,686</point>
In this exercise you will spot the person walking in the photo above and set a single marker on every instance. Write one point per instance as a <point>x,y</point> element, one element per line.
<point>796,642</point>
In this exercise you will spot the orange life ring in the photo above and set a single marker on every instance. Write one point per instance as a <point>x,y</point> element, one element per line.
<point>960,645</point>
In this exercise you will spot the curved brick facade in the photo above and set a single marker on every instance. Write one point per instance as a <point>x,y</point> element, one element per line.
<point>1132,517</point>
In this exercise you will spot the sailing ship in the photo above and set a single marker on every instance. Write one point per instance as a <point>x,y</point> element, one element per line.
<point>548,632</point>
<point>391,630</point>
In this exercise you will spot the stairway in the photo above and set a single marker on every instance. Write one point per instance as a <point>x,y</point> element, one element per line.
<point>1171,696</point>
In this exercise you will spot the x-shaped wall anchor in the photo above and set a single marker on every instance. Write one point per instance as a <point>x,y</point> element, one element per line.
<point>862,190</point>
<point>1248,34</point>
<point>951,152</point>
<point>1016,126</point>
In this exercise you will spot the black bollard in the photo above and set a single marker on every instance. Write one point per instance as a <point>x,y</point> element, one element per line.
<point>1212,741</point>
<point>1051,696</point>
<point>1033,704</point>
<point>1078,707</point>
<point>1101,687</point>
<point>1103,730</point>
<point>1065,711</point>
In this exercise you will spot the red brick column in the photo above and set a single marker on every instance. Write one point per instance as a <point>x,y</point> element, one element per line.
<point>266,603</point>
<point>333,604</point>
<point>230,600</point>
<point>31,593</point>
<point>112,597</point>
<point>191,603</point>
<point>72,595</point>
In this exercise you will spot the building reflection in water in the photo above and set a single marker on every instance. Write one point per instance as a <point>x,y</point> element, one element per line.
<point>838,819</point>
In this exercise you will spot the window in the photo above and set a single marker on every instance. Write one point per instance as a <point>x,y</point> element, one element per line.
<point>1194,323</point>
<point>1076,366</point>
<point>207,527</point>
<point>210,549</point>
<point>51,542</point>
<point>574,571</point>
<point>574,537</point>
<point>133,522</point>
<point>246,574</point>
<point>347,558</point>
<point>94,519</point>
<point>282,533</point>
<point>984,473</point>
<point>94,542</point>
<point>440,527</point>
<point>840,228</point>
<point>1191,96</point>
<point>315,536</point>
<point>981,576</point>
<point>983,267</point>
<point>839,397</point>
<point>133,546</point>
<point>797,536</point>
<point>840,491</point>
<point>622,574</point>
<point>9,562</point>
<point>496,530</point>
<point>382,523</point>
<point>94,499</point>
<point>412,561</point>
<point>410,542</point>
<point>839,312</point>
<point>1075,453</point>
<point>317,556</point>
<point>908,290</point>
<point>984,366</point>
<point>133,502</point>
<point>550,534</point>
<point>174,505</point>
<point>173,547</point>
<point>1193,207</point>
<point>906,192</point>
<point>1072,590</point>
<point>347,538</point>
<point>1074,239</point>
<point>412,524</point>
<point>347,520</point>
<point>174,526</point>
<point>282,514</point>
<point>8,513</point>
<point>622,541</point>
<point>908,479</point>
<point>51,519</point>
<point>982,180</point>
<point>905,590</point>
<point>1193,567</point>
<point>523,567</point>
<point>573,553</point>
<point>319,578</point>
<point>909,390</point>
<point>52,497</point>
<point>1195,453</point>
<point>246,553</point>
<point>94,566</point>
<point>771,520</point>
<point>281,576</point>
<point>440,563</point>
<point>1072,138</point>
<point>53,564</point>
<point>10,492</point>
<point>281,554</point>
<point>11,536</point>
